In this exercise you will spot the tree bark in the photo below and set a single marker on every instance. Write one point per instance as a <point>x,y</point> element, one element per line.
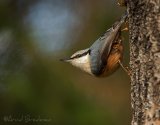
<point>144,36</point>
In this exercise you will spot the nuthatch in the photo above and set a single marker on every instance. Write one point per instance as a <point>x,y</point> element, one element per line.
<point>104,55</point>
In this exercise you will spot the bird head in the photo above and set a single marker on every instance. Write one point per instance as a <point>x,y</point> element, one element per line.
<point>80,59</point>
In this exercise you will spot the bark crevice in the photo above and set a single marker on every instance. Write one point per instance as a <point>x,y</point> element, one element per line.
<point>144,36</point>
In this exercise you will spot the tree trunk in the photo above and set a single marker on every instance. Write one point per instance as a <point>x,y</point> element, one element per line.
<point>144,35</point>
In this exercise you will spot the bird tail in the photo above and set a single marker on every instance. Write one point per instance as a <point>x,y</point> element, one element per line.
<point>117,25</point>
<point>124,17</point>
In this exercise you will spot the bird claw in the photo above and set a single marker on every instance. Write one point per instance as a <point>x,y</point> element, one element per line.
<point>125,68</point>
<point>122,2</point>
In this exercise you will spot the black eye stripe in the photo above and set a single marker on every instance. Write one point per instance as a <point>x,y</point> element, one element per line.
<point>80,55</point>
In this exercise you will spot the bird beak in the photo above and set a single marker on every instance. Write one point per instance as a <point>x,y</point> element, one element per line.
<point>65,59</point>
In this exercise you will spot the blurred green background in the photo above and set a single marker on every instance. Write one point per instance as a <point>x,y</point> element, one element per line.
<point>35,87</point>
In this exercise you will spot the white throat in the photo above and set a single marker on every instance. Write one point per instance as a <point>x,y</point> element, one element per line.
<point>83,63</point>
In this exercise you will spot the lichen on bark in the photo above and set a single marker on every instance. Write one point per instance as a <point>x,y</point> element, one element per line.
<point>144,35</point>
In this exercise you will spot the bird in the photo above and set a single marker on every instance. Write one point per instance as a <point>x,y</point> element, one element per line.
<point>104,56</point>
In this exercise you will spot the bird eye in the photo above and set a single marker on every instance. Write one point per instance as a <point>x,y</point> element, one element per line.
<point>76,56</point>
<point>80,55</point>
<point>89,52</point>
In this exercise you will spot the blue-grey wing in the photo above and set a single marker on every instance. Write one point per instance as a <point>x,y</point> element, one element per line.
<point>99,52</point>
<point>100,49</point>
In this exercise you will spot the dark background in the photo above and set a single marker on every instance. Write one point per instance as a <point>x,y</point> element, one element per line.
<point>35,87</point>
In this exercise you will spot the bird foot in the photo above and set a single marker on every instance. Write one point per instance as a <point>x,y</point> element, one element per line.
<point>125,68</point>
<point>122,3</point>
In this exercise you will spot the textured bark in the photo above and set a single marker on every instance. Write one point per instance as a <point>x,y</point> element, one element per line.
<point>144,35</point>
